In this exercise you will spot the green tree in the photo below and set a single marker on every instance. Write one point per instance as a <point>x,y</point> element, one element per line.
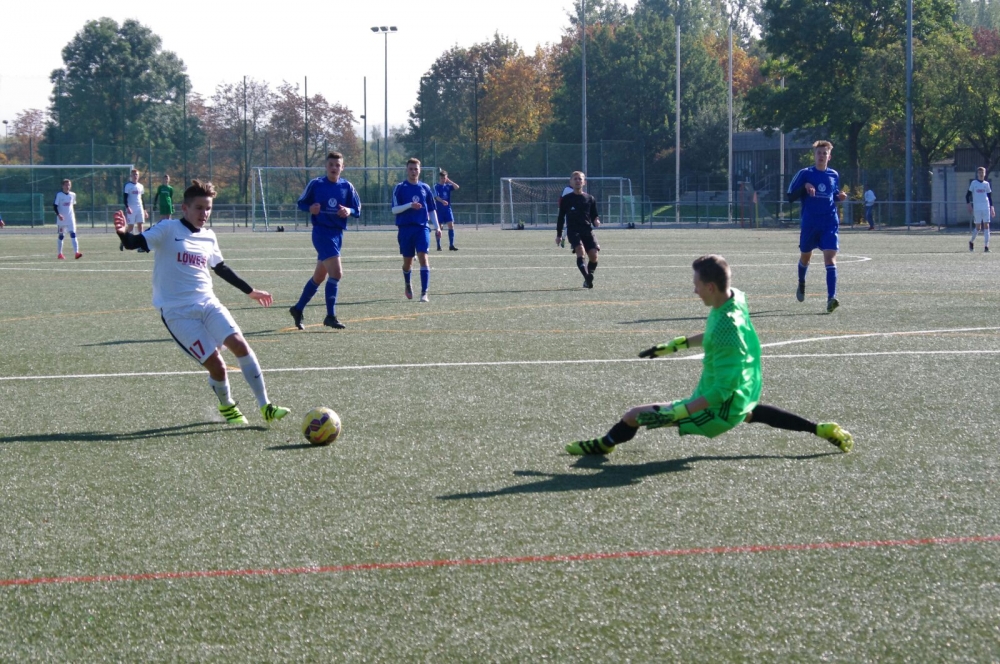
<point>979,98</point>
<point>237,117</point>
<point>823,50</point>
<point>117,86</point>
<point>331,127</point>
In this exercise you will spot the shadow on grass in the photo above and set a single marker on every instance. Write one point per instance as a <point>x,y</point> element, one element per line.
<point>610,476</point>
<point>296,446</point>
<point>125,342</point>
<point>753,314</point>
<point>198,428</point>
<point>507,291</point>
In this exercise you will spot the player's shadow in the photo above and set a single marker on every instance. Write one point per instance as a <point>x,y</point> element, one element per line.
<point>610,476</point>
<point>196,429</point>
<point>125,342</point>
<point>507,291</point>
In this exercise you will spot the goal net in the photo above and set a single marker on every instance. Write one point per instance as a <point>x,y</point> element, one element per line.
<point>275,193</point>
<point>534,202</point>
<point>27,192</point>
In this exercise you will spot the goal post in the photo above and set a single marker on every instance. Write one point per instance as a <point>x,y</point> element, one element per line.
<point>534,202</point>
<point>27,192</point>
<point>275,192</point>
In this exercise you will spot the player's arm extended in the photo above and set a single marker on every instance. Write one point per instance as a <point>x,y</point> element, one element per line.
<point>228,275</point>
<point>133,241</point>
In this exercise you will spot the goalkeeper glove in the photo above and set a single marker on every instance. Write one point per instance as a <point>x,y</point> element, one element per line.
<point>663,417</point>
<point>678,343</point>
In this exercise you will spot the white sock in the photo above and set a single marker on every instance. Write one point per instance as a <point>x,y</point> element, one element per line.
<point>986,235</point>
<point>221,389</point>
<point>59,243</point>
<point>975,232</point>
<point>76,245</point>
<point>254,376</point>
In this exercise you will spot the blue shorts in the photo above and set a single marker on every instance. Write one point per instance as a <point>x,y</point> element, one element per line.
<point>823,235</point>
<point>327,242</point>
<point>445,215</point>
<point>413,240</point>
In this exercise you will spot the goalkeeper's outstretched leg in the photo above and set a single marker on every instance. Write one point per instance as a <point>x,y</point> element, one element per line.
<point>782,419</point>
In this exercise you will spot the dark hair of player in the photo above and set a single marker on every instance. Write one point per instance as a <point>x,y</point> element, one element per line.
<point>335,155</point>
<point>442,173</point>
<point>713,269</point>
<point>198,190</point>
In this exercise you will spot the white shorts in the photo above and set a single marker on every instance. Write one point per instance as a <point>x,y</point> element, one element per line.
<point>981,216</point>
<point>201,328</point>
<point>135,218</point>
<point>68,226</point>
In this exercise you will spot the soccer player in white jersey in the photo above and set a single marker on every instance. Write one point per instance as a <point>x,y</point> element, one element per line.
<point>135,213</point>
<point>184,250</point>
<point>65,207</point>
<point>980,200</point>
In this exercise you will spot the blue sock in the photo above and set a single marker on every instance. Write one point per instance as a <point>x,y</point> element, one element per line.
<point>307,294</point>
<point>406,277</point>
<point>332,286</point>
<point>831,281</point>
<point>802,271</point>
<point>451,237</point>
<point>439,242</point>
<point>425,278</point>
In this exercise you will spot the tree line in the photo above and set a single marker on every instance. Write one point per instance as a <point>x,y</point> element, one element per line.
<point>833,69</point>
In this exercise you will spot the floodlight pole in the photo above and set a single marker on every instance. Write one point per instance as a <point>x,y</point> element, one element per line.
<point>385,30</point>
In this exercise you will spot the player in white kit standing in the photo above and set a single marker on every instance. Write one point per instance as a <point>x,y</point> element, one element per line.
<point>135,213</point>
<point>65,207</point>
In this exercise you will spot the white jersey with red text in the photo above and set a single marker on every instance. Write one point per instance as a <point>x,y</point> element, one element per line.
<point>182,263</point>
<point>66,204</point>
<point>980,190</point>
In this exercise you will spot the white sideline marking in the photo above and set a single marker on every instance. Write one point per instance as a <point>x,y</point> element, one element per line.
<point>511,363</point>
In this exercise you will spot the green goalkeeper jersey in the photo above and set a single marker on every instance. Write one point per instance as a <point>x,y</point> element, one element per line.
<point>165,196</point>
<point>731,377</point>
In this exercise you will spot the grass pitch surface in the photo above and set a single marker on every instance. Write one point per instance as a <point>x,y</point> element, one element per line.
<point>447,523</point>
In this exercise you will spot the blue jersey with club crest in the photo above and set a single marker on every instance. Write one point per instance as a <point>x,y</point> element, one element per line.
<point>330,196</point>
<point>820,208</point>
<point>406,193</point>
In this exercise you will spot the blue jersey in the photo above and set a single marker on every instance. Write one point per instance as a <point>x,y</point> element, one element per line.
<point>821,207</point>
<point>443,191</point>
<point>406,193</point>
<point>330,195</point>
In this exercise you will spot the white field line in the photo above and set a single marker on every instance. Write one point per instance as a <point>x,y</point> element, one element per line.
<point>686,358</point>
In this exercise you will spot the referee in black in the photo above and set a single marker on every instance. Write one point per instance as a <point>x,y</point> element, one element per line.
<point>578,211</point>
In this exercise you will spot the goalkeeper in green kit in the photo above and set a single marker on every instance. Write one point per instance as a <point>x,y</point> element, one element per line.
<point>728,392</point>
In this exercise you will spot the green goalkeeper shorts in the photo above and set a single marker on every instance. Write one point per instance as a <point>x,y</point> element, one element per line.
<point>706,423</point>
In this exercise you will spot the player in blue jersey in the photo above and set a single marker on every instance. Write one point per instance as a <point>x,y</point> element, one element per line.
<point>818,187</point>
<point>442,195</point>
<point>329,200</point>
<point>414,206</point>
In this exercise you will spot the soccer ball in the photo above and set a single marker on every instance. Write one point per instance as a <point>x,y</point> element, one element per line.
<point>321,426</point>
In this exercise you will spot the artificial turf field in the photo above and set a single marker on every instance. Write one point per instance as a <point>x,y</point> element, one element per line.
<point>447,523</point>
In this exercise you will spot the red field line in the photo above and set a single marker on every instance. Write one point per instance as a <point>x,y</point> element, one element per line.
<point>505,560</point>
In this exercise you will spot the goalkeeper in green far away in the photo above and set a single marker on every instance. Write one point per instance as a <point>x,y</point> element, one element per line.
<point>728,392</point>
